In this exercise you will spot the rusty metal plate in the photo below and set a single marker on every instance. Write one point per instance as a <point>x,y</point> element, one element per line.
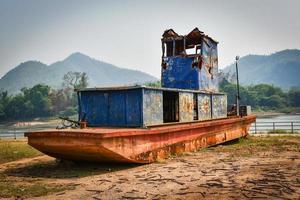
<point>219,106</point>
<point>204,106</point>
<point>186,106</point>
<point>152,107</point>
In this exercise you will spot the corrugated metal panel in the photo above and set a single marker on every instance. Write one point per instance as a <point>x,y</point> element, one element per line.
<point>180,74</point>
<point>204,106</point>
<point>134,108</point>
<point>186,107</point>
<point>219,106</point>
<point>112,108</point>
<point>117,109</point>
<point>90,106</point>
<point>152,107</point>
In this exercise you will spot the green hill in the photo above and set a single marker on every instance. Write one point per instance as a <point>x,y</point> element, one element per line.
<point>280,69</point>
<point>100,73</point>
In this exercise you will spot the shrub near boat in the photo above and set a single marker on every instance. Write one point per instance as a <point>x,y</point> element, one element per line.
<point>142,124</point>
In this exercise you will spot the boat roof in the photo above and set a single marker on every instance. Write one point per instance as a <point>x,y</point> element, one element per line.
<point>193,37</point>
<point>119,88</point>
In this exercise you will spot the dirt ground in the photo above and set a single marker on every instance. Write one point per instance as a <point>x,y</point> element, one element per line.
<point>216,173</point>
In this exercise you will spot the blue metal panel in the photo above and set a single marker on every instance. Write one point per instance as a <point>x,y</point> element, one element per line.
<point>204,106</point>
<point>95,106</point>
<point>117,108</point>
<point>152,107</point>
<point>112,108</point>
<point>180,73</point>
<point>219,106</point>
<point>134,107</point>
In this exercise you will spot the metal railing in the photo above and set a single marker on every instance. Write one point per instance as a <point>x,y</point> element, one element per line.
<point>11,134</point>
<point>276,127</point>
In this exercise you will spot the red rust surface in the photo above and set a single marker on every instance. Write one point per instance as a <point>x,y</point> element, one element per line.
<point>137,145</point>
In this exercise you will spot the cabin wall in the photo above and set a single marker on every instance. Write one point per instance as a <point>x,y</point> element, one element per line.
<point>219,106</point>
<point>152,107</point>
<point>209,66</point>
<point>186,109</point>
<point>145,107</point>
<point>179,73</point>
<point>112,108</point>
<point>204,106</point>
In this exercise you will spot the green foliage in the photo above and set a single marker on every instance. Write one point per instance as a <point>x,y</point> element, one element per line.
<point>42,101</point>
<point>263,96</point>
<point>294,96</point>
<point>155,84</point>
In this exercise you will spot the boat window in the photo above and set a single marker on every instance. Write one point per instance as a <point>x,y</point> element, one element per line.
<point>170,106</point>
<point>195,106</point>
<point>177,48</point>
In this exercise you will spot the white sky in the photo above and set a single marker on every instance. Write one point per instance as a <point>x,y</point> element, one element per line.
<point>127,33</point>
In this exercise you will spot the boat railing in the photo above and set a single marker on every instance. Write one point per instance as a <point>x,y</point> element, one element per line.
<point>275,127</point>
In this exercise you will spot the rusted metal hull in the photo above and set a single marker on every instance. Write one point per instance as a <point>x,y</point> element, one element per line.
<point>137,145</point>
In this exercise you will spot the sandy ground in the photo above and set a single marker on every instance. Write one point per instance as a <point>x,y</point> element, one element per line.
<point>200,175</point>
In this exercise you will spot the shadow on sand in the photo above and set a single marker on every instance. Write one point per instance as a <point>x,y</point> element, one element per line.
<point>60,169</point>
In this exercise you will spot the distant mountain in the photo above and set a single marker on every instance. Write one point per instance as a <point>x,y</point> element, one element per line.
<point>100,73</point>
<point>281,69</point>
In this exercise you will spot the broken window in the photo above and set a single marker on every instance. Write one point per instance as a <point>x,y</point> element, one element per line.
<point>170,106</point>
<point>190,45</point>
<point>178,44</point>
<point>195,106</point>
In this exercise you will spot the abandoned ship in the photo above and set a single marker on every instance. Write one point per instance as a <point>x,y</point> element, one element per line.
<point>139,124</point>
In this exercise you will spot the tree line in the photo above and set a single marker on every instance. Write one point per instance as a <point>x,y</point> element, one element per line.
<point>264,97</point>
<point>42,100</point>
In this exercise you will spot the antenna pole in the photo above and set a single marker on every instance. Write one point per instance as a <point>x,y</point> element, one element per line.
<point>238,86</point>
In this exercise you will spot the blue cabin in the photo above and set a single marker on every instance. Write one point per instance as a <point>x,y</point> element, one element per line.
<point>141,106</point>
<point>189,89</point>
<point>189,61</point>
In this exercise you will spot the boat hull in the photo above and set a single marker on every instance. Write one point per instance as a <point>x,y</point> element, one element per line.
<point>137,145</point>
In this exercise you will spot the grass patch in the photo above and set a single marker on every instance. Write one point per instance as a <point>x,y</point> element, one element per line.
<point>251,145</point>
<point>278,131</point>
<point>11,188</point>
<point>15,150</point>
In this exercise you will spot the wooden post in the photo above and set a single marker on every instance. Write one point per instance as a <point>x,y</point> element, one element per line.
<point>15,133</point>
<point>255,127</point>
<point>273,127</point>
<point>292,127</point>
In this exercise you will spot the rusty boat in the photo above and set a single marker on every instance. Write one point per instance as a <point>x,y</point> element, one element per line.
<point>140,124</point>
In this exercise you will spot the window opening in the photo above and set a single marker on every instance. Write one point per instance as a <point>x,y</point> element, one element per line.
<point>170,106</point>
<point>195,106</point>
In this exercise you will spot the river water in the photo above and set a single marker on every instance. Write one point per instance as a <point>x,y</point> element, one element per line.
<point>288,123</point>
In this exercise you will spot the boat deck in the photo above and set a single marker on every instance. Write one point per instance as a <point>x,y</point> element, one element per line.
<point>106,132</point>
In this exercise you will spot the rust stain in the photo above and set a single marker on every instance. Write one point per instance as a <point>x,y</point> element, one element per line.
<point>137,145</point>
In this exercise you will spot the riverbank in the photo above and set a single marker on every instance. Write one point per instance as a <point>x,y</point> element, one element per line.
<point>255,167</point>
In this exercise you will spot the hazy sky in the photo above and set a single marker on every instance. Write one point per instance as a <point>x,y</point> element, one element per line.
<point>127,33</point>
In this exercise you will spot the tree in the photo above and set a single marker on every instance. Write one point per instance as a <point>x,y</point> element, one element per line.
<point>37,98</point>
<point>75,80</point>
<point>293,96</point>
<point>4,101</point>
